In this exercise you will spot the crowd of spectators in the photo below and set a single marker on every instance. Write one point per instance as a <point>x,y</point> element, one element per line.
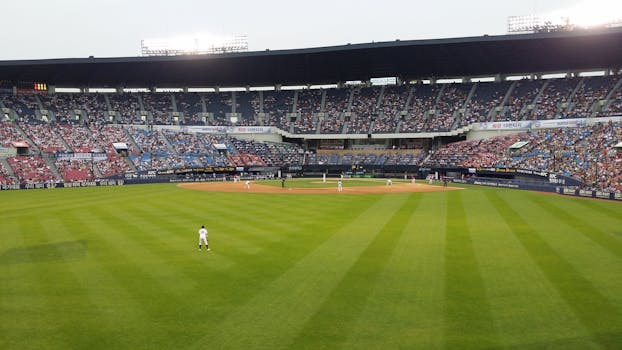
<point>256,153</point>
<point>114,165</point>
<point>5,176</point>
<point>45,136</point>
<point>75,170</point>
<point>579,152</point>
<point>31,170</point>
<point>614,106</point>
<point>524,95</point>
<point>9,133</point>
<point>127,108</point>
<point>385,157</point>
<point>77,137</point>
<point>106,135</point>
<point>389,112</point>
<point>150,141</point>
<point>591,90</point>
<point>309,106</point>
<point>364,103</point>
<point>555,94</point>
<point>23,104</point>
<point>190,104</point>
<point>424,99</point>
<point>485,99</point>
<point>160,106</point>
<point>584,153</point>
<point>336,103</point>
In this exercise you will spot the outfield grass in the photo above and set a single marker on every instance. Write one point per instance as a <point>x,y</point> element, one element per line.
<point>118,268</point>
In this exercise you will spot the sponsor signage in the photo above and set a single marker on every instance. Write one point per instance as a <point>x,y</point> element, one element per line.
<point>208,129</point>
<point>542,124</point>
<point>601,194</point>
<point>584,193</point>
<point>82,156</point>
<point>504,125</point>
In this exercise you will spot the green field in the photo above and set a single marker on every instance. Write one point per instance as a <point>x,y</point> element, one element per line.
<point>119,268</point>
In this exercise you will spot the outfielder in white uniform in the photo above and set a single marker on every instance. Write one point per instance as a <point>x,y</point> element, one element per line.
<point>203,237</point>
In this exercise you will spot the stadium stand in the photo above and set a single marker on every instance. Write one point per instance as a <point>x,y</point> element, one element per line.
<point>79,122</point>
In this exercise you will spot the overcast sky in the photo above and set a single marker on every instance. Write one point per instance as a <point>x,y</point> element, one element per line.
<point>33,29</point>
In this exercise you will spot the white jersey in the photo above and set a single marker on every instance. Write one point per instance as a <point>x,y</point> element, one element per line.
<point>202,233</point>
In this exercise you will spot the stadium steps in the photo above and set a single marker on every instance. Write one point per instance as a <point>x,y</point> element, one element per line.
<point>49,160</point>
<point>295,102</point>
<point>610,95</point>
<point>323,102</point>
<point>380,98</point>
<point>569,103</point>
<point>536,100</point>
<point>169,145</point>
<point>174,103</point>
<point>504,102</point>
<point>90,132</point>
<point>351,99</point>
<point>130,163</point>
<point>62,140</point>
<point>8,168</point>
<point>131,139</point>
<point>98,174</point>
<point>27,139</point>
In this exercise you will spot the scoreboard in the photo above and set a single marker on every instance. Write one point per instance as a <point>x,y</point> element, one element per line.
<point>30,86</point>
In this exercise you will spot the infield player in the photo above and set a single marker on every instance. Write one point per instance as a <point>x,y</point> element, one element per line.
<point>203,237</point>
<point>247,185</point>
<point>339,186</point>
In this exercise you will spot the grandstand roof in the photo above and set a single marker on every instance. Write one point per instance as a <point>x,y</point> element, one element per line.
<point>416,59</point>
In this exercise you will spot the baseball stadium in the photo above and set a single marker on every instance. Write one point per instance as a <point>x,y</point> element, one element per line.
<point>458,193</point>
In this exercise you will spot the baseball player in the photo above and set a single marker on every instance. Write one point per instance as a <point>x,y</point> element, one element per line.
<point>203,237</point>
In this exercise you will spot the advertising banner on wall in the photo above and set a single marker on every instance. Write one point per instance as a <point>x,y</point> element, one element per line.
<point>211,129</point>
<point>542,124</point>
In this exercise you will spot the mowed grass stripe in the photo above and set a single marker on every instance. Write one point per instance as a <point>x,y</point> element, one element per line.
<point>45,200</point>
<point>278,312</point>
<point>405,308</point>
<point>80,291</point>
<point>334,320</point>
<point>247,223</point>
<point>137,243</point>
<point>269,213</point>
<point>252,272</point>
<point>599,317</point>
<point>244,239</point>
<point>525,307</point>
<point>160,291</point>
<point>125,303</point>
<point>572,241</point>
<point>613,210</point>
<point>578,223</point>
<point>27,319</point>
<point>468,318</point>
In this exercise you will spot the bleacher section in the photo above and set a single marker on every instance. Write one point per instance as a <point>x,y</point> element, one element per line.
<point>54,124</point>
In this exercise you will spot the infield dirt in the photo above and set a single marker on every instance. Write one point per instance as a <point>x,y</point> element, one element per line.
<point>259,188</point>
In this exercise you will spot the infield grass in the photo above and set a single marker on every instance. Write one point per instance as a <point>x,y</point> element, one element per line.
<point>481,268</point>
